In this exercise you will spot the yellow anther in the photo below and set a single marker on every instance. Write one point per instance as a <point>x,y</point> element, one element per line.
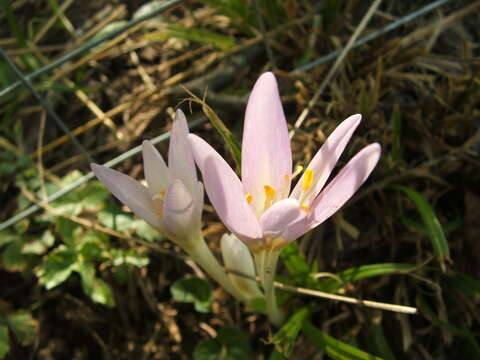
<point>269,192</point>
<point>159,213</point>
<point>161,192</point>
<point>249,198</point>
<point>305,208</point>
<point>307,179</point>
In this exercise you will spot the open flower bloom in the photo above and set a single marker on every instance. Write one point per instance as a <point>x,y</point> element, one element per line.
<point>173,200</point>
<point>260,209</point>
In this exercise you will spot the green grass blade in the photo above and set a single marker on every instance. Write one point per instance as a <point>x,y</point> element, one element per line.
<point>363,272</point>
<point>334,348</point>
<point>432,224</point>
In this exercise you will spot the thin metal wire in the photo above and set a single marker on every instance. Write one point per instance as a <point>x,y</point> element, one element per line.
<point>392,26</point>
<point>45,105</point>
<point>89,45</point>
<point>115,161</point>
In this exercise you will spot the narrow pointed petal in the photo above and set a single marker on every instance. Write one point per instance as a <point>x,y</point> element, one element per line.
<point>236,256</point>
<point>266,153</point>
<point>155,169</point>
<point>280,216</point>
<point>325,159</point>
<point>180,216</point>
<point>130,192</point>
<point>345,184</point>
<point>225,191</point>
<point>180,158</point>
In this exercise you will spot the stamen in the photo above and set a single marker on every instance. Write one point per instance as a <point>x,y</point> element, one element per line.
<point>269,196</point>
<point>160,212</point>
<point>269,192</point>
<point>307,179</point>
<point>249,198</point>
<point>305,208</point>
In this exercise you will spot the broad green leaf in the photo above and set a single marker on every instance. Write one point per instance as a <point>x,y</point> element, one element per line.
<point>23,326</point>
<point>57,267</point>
<point>145,231</point>
<point>284,340</point>
<point>114,218</point>
<point>7,237</point>
<point>93,196</point>
<point>362,272</point>
<point>258,304</point>
<point>4,341</point>
<point>193,290</point>
<point>102,293</point>
<point>297,266</point>
<point>12,257</point>
<point>98,290</point>
<point>230,344</point>
<point>39,245</point>
<point>68,230</point>
<point>430,220</point>
<point>335,349</point>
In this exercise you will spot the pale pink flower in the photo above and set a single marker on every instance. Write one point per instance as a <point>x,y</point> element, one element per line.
<point>173,200</point>
<point>260,209</point>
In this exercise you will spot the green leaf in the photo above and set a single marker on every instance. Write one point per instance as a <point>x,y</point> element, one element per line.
<point>39,245</point>
<point>362,272</point>
<point>57,267</point>
<point>23,326</point>
<point>379,341</point>
<point>12,257</point>
<point>431,222</point>
<point>334,348</point>
<point>114,218</point>
<point>258,304</point>
<point>68,230</point>
<point>193,290</point>
<point>7,237</point>
<point>4,341</point>
<point>93,196</point>
<point>197,35</point>
<point>284,340</point>
<point>231,343</point>
<point>145,231</point>
<point>98,290</point>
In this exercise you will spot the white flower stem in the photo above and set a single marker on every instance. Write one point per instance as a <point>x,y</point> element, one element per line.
<point>203,256</point>
<point>266,263</point>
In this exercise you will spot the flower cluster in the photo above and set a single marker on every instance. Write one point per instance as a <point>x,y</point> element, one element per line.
<point>261,210</point>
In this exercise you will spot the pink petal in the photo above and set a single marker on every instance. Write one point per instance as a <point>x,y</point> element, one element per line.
<point>130,192</point>
<point>180,158</point>
<point>266,154</point>
<point>180,216</point>
<point>225,191</point>
<point>325,159</point>
<point>280,216</point>
<point>346,183</point>
<point>155,169</point>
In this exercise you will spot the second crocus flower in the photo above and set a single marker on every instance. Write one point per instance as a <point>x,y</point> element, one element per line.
<point>173,200</point>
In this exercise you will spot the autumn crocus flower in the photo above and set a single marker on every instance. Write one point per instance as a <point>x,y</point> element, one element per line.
<point>260,209</point>
<point>173,200</point>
